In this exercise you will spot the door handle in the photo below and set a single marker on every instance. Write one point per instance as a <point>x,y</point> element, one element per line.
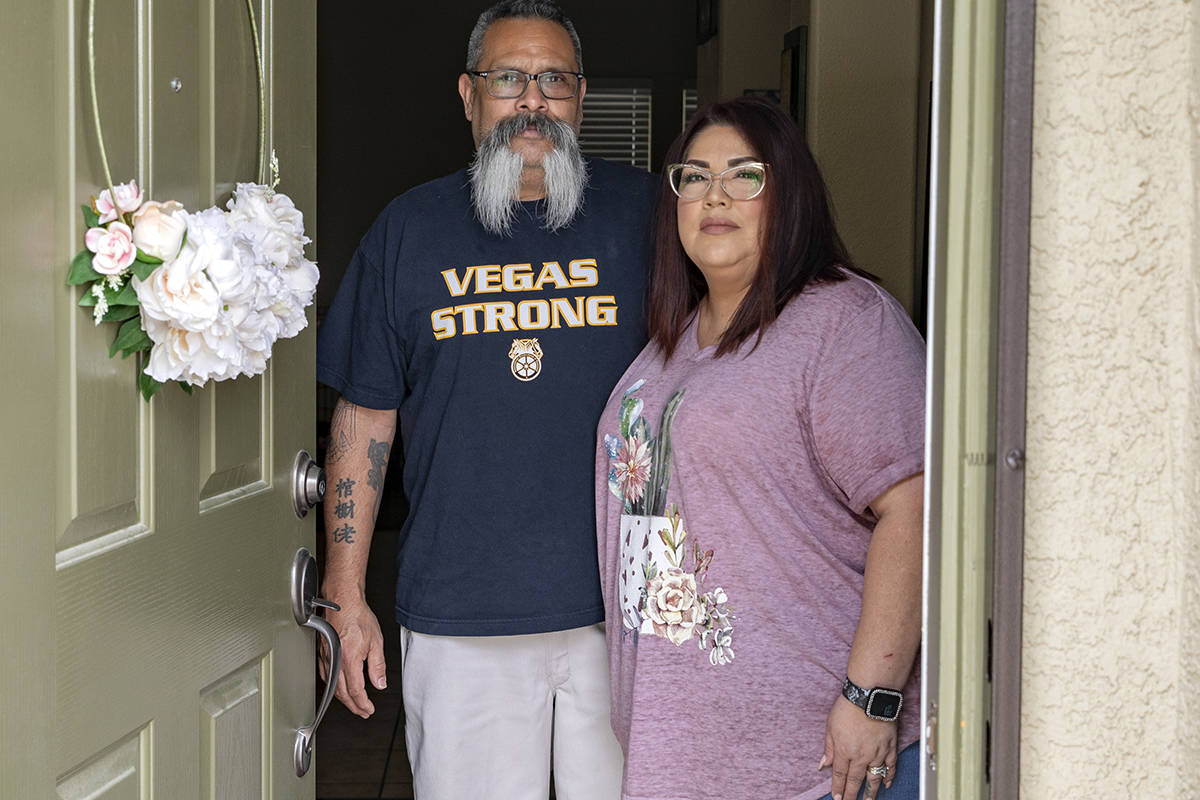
<point>308,484</point>
<point>304,604</point>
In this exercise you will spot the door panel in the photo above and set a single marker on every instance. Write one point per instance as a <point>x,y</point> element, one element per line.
<point>120,773</point>
<point>234,750</point>
<point>178,669</point>
<point>235,104</point>
<point>232,454</point>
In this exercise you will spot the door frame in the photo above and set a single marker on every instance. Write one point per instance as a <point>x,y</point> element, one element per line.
<point>1011,357</point>
<point>978,292</point>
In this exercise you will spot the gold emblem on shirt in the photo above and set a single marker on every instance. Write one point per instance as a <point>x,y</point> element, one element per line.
<point>526,355</point>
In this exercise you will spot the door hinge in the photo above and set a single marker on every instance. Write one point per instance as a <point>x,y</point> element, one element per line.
<point>987,669</point>
<point>931,737</point>
<point>987,751</point>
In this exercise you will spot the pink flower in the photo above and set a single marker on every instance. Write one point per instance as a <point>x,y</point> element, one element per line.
<point>129,199</point>
<point>113,247</point>
<point>632,465</point>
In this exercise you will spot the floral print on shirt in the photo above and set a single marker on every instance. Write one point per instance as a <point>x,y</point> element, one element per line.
<point>662,584</point>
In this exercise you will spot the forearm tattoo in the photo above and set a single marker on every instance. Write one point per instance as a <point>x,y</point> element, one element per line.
<point>377,452</point>
<point>343,431</point>
<point>343,509</point>
<point>342,443</point>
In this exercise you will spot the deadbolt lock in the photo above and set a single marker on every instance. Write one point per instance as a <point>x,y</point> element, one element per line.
<point>308,483</point>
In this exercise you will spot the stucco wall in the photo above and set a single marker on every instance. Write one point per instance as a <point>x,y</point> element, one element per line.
<point>1112,560</point>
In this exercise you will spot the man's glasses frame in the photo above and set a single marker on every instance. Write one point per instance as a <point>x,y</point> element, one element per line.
<point>546,82</point>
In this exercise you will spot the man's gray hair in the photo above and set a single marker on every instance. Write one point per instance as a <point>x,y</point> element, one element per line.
<point>520,9</point>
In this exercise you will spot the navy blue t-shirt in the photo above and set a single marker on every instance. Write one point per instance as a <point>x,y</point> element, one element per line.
<point>499,353</point>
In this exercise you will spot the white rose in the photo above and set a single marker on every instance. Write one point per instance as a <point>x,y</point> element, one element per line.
<point>158,228</point>
<point>113,247</point>
<point>299,284</point>
<point>222,338</point>
<point>179,293</point>
<point>233,281</point>
<point>269,288</point>
<point>173,353</point>
<point>182,355</point>
<point>259,330</point>
<point>129,197</point>
<point>301,277</point>
<point>210,234</point>
<point>671,606</point>
<point>292,318</point>
<point>273,221</point>
<point>287,214</point>
<point>256,333</point>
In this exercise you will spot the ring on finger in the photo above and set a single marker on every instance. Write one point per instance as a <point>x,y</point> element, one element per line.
<point>881,770</point>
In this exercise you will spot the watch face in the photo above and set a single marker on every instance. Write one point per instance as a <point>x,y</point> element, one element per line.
<point>884,704</point>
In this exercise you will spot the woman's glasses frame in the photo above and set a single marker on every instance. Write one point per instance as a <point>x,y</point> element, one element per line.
<point>675,173</point>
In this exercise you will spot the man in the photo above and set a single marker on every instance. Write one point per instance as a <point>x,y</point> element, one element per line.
<point>494,309</point>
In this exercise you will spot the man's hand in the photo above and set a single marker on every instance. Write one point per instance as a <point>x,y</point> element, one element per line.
<point>854,742</point>
<point>362,641</point>
<point>356,460</point>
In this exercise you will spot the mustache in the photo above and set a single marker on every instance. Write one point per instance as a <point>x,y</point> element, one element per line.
<point>559,133</point>
<point>495,174</point>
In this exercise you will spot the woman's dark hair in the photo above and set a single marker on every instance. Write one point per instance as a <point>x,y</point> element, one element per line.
<point>800,244</point>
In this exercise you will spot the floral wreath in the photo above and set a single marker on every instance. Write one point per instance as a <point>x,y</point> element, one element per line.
<point>204,295</point>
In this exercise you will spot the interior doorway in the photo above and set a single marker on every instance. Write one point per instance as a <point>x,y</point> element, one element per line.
<point>390,119</point>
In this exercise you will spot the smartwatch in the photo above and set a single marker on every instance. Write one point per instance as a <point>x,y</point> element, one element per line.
<point>878,703</point>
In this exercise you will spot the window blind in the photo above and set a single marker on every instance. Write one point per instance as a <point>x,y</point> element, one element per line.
<point>690,101</point>
<point>616,124</point>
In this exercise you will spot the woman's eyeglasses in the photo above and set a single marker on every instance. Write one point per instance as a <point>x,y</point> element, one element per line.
<point>741,182</point>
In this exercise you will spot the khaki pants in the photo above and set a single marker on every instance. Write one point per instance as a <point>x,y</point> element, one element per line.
<point>486,716</point>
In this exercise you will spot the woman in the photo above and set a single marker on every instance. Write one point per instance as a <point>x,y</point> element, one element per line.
<point>759,493</point>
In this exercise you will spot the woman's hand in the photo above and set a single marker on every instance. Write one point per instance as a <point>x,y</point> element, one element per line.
<point>854,742</point>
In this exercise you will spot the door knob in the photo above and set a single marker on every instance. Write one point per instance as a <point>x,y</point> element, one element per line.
<point>304,603</point>
<point>308,483</point>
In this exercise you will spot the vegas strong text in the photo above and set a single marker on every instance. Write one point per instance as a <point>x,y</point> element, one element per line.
<point>494,316</point>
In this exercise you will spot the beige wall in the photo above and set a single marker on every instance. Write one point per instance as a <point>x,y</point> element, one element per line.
<point>863,84</point>
<point>863,63</point>
<point>751,35</point>
<point>1111,657</point>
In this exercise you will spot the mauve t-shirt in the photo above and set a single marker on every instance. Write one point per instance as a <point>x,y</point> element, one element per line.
<point>733,523</point>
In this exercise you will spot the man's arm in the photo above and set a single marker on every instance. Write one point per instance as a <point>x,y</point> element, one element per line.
<point>360,444</point>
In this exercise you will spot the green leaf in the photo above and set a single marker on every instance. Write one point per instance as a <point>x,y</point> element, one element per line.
<point>641,429</point>
<point>148,386</point>
<point>130,339</point>
<point>126,297</point>
<point>90,217</point>
<point>143,269</point>
<point>187,387</point>
<point>145,258</point>
<point>81,269</point>
<point>120,313</point>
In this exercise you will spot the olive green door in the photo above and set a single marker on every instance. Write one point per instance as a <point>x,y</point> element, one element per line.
<point>148,646</point>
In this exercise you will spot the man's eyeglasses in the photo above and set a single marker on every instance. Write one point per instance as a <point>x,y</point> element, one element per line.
<point>505,84</point>
<point>741,182</point>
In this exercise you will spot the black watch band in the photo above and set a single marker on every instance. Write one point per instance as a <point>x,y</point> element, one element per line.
<point>878,703</point>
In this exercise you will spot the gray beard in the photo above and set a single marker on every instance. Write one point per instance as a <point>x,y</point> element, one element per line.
<point>496,174</point>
